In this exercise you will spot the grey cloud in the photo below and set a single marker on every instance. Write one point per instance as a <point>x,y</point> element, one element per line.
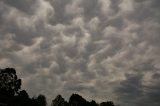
<point>109,47</point>
<point>132,90</point>
<point>114,5</point>
<point>60,16</point>
<point>91,8</point>
<point>27,6</point>
<point>144,10</point>
<point>24,26</point>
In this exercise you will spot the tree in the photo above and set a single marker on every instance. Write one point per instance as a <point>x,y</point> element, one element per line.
<point>93,103</point>
<point>77,100</point>
<point>9,83</point>
<point>109,103</point>
<point>23,94</point>
<point>59,101</point>
<point>41,100</point>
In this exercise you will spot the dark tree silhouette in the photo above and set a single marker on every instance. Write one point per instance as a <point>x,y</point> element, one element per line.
<point>77,100</point>
<point>41,100</point>
<point>109,103</point>
<point>9,83</point>
<point>59,101</point>
<point>23,94</point>
<point>93,103</point>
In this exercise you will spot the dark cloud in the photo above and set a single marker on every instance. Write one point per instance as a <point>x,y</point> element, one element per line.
<point>60,17</point>
<point>135,91</point>
<point>91,8</point>
<point>27,6</point>
<point>109,47</point>
<point>130,89</point>
<point>114,5</point>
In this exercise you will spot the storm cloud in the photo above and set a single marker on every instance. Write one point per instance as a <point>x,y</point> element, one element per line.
<point>101,49</point>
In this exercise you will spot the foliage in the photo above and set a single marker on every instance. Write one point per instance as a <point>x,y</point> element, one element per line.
<point>9,83</point>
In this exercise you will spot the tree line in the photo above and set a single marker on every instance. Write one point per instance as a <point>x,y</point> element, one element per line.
<point>11,94</point>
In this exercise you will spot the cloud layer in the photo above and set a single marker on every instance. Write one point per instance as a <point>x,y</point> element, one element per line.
<point>101,49</point>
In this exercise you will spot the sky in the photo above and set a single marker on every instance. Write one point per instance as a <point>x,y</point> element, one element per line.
<point>100,49</point>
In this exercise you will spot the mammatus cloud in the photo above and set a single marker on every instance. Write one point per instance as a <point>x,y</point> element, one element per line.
<point>102,49</point>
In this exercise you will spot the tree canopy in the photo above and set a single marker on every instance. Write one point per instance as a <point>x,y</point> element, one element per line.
<point>9,82</point>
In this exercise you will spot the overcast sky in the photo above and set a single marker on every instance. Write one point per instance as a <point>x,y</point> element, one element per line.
<point>101,49</point>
